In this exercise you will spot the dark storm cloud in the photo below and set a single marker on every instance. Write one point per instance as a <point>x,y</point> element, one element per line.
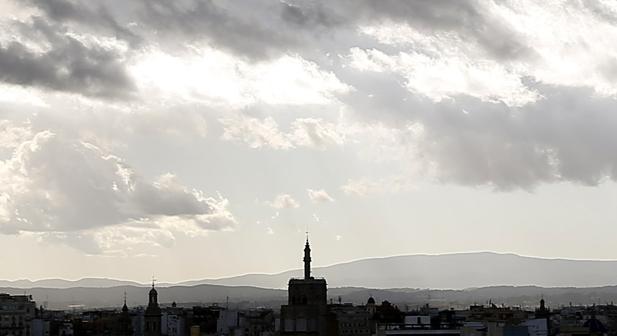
<point>69,65</point>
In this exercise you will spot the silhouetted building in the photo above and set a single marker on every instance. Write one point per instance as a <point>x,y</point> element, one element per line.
<point>252,322</point>
<point>493,313</point>
<point>351,320</point>
<point>173,322</point>
<point>386,313</point>
<point>16,314</point>
<point>306,312</point>
<point>543,312</point>
<point>125,324</point>
<point>152,316</point>
<point>204,319</point>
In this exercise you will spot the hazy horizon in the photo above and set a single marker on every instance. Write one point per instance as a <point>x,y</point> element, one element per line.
<point>553,273</point>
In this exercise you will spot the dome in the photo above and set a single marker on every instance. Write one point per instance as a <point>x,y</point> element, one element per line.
<point>370,301</point>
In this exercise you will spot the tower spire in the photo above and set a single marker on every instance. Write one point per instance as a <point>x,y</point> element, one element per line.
<point>125,308</point>
<point>307,259</point>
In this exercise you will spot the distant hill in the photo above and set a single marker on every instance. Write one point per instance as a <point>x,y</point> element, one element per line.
<point>455,280</point>
<point>61,283</point>
<point>446,271</point>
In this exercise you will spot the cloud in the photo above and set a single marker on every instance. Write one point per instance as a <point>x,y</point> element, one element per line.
<point>215,77</point>
<point>11,135</point>
<point>499,88</point>
<point>284,201</point>
<point>297,25</point>
<point>565,137</point>
<point>263,29</point>
<point>385,185</point>
<point>319,196</point>
<point>254,132</point>
<point>87,14</point>
<point>315,133</point>
<point>58,187</point>
<point>56,60</point>
<point>448,76</point>
<point>312,133</point>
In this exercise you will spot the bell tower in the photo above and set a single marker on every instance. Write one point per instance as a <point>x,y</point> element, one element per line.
<point>306,311</point>
<point>152,315</point>
<point>307,260</point>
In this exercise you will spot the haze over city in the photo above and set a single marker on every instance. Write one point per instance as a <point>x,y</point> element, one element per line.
<point>202,139</point>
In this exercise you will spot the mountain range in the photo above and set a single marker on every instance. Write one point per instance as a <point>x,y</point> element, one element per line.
<point>445,271</point>
<point>448,280</point>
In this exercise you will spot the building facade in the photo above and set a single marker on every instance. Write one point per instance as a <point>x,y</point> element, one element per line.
<point>16,314</point>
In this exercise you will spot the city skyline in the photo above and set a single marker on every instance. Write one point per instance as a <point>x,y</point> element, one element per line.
<point>202,139</point>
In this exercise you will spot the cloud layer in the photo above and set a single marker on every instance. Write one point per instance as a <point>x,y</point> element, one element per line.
<point>67,188</point>
<point>372,97</point>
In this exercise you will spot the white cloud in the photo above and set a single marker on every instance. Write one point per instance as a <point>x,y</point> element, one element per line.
<point>284,201</point>
<point>255,133</point>
<point>74,190</point>
<point>446,76</point>
<point>315,133</point>
<point>11,135</point>
<point>568,44</point>
<point>215,77</point>
<point>574,42</point>
<point>319,196</point>
<point>265,133</point>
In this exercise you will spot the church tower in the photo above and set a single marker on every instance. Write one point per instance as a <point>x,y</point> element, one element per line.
<point>125,327</point>
<point>152,317</point>
<point>306,311</point>
<point>307,260</point>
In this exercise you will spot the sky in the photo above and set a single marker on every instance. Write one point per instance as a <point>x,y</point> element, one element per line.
<point>201,139</point>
